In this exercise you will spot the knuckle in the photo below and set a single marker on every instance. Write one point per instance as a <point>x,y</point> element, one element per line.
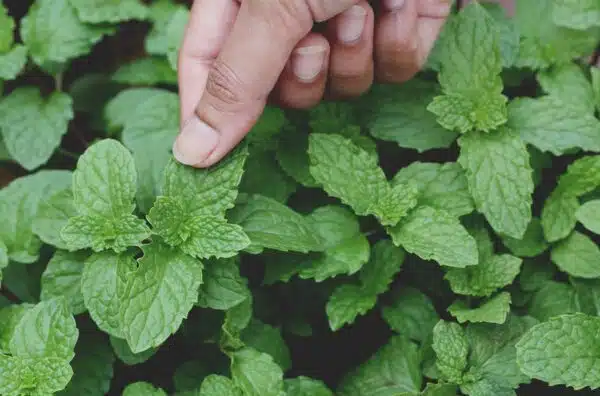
<point>293,16</point>
<point>434,8</point>
<point>225,87</point>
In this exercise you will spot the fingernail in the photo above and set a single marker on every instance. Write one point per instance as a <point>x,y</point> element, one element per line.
<point>308,62</point>
<point>195,143</point>
<point>352,24</point>
<point>394,4</point>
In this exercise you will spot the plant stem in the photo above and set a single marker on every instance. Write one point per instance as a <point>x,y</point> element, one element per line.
<point>67,153</point>
<point>58,81</point>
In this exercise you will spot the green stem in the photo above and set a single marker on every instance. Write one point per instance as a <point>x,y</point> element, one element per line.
<point>67,153</point>
<point>58,81</point>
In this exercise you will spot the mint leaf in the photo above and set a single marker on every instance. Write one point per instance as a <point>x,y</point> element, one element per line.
<point>6,30</point>
<point>507,31</point>
<point>346,303</point>
<point>223,287</point>
<point>558,126</point>
<point>559,216</point>
<point>492,310</point>
<point>386,260</point>
<point>256,374</point>
<point>267,339</point>
<point>451,349</point>
<point>62,277</point>
<point>411,314</point>
<point>159,295</point>
<point>123,352</point>
<point>10,317</point>
<point>440,186</point>
<point>119,109</point>
<point>216,385</point>
<point>304,386</point>
<point>578,255</point>
<point>31,141</point>
<point>399,114</point>
<point>272,225</point>
<point>111,11</point>
<point>500,179</point>
<point>532,244</point>
<point>264,176</point>
<point>470,74</point>
<point>351,174</point>
<point>54,34</point>
<point>13,62</point>
<point>588,214</point>
<point>292,156</point>
<point>568,83</point>
<point>142,389</point>
<point>436,235</point>
<point>53,214</point>
<point>105,220</point>
<point>580,15</point>
<point>174,31</point>
<point>492,273</point>
<point>393,369</point>
<point>264,134</point>
<point>542,354</point>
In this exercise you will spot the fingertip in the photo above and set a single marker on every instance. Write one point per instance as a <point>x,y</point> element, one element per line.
<point>196,143</point>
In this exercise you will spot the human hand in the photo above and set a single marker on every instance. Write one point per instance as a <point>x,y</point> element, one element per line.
<point>235,57</point>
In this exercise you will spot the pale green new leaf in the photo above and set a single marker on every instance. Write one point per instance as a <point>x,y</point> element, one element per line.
<point>304,386</point>
<point>52,215</point>
<point>559,216</point>
<point>146,71</point>
<point>578,255</point>
<point>256,373</point>
<point>500,179</point>
<point>122,107</point>
<point>216,385</point>
<point>588,214</point>
<point>31,141</point>
<point>10,317</point>
<point>411,314</point>
<point>109,11</point>
<point>62,277</point>
<point>492,273</point>
<point>353,175</point>
<point>436,235</point>
<point>562,351</point>
<point>12,62</point>
<point>492,310</point>
<point>33,376</point>
<point>346,303</point>
<point>451,349</point>
<point>223,287</point>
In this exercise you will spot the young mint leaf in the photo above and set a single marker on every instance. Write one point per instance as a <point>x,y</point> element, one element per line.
<point>26,376</point>
<point>562,350</point>
<point>589,215</point>
<point>399,114</point>
<point>264,176</point>
<point>558,126</point>
<point>54,34</point>
<point>159,295</point>
<point>507,31</point>
<point>532,244</point>
<point>499,175</point>
<point>351,174</point>
<point>123,352</point>
<point>582,177</point>
<point>451,349</point>
<point>440,186</point>
<point>470,74</point>
<point>492,310</point>
<point>578,255</point>
<point>143,389</point>
<point>105,220</point>
<point>411,314</point>
<point>19,203</point>
<point>576,14</point>
<point>31,141</point>
<point>92,366</point>
<point>12,62</point>
<point>346,303</point>
<point>386,260</point>
<point>146,71</point>
<point>559,216</point>
<point>304,386</point>
<point>568,83</point>
<point>160,13</point>
<point>62,277</point>
<point>109,11</point>
<point>53,214</point>
<point>553,299</point>
<point>223,287</point>
<point>395,368</point>
<point>9,319</point>
<point>236,320</point>
<point>436,235</point>
<point>174,31</point>
<point>123,106</point>
<point>256,374</point>
<point>272,225</point>
<point>216,385</point>
<point>267,339</point>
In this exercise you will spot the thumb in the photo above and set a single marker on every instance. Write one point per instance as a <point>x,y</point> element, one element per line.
<point>246,71</point>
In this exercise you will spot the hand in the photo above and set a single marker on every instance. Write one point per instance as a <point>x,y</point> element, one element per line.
<point>236,56</point>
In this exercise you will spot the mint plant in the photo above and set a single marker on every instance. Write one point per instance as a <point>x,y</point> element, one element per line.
<point>434,238</point>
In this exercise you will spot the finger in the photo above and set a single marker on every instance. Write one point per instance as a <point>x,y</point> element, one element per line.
<point>396,42</point>
<point>351,64</point>
<point>245,72</point>
<point>432,15</point>
<point>303,81</point>
<point>207,29</point>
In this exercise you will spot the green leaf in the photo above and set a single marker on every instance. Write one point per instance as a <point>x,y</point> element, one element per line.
<point>109,11</point>
<point>105,220</point>
<point>399,114</point>
<point>146,71</point>
<point>507,31</point>
<point>470,74</point>
<point>482,280</point>
<point>143,389</point>
<point>267,339</point>
<point>52,215</point>
<point>351,174</point>
<point>386,260</point>
<point>46,376</point>
<point>264,176</point>
<point>272,225</point>
<point>174,32</point>
<point>236,320</point>
<point>436,235</point>
<point>31,141</point>
<point>576,14</point>
<point>411,314</point>
<point>558,126</point>
<point>292,156</point>
<point>62,277</point>
<point>532,244</point>
<point>19,203</point>
<point>304,386</point>
<point>54,34</point>
<point>159,295</point>
<point>256,374</point>
<point>265,132</point>
<point>562,351</point>
<point>123,352</point>
<point>346,303</point>
<point>216,385</point>
<point>500,179</point>
<point>558,216</point>
<point>395,368</point>
<point>578,255</point>
<point>440,186</point>
<point>9,319</point>
<point>160,13</point>
<point>569,84</point>
<point>589,215</point>
<point>13,62</point>
<point>492,310</point>
<point>123,106</point>
<point>7,27</point>
<point>553,299</point>
<point>451,349</point>
<point>223,287</point>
